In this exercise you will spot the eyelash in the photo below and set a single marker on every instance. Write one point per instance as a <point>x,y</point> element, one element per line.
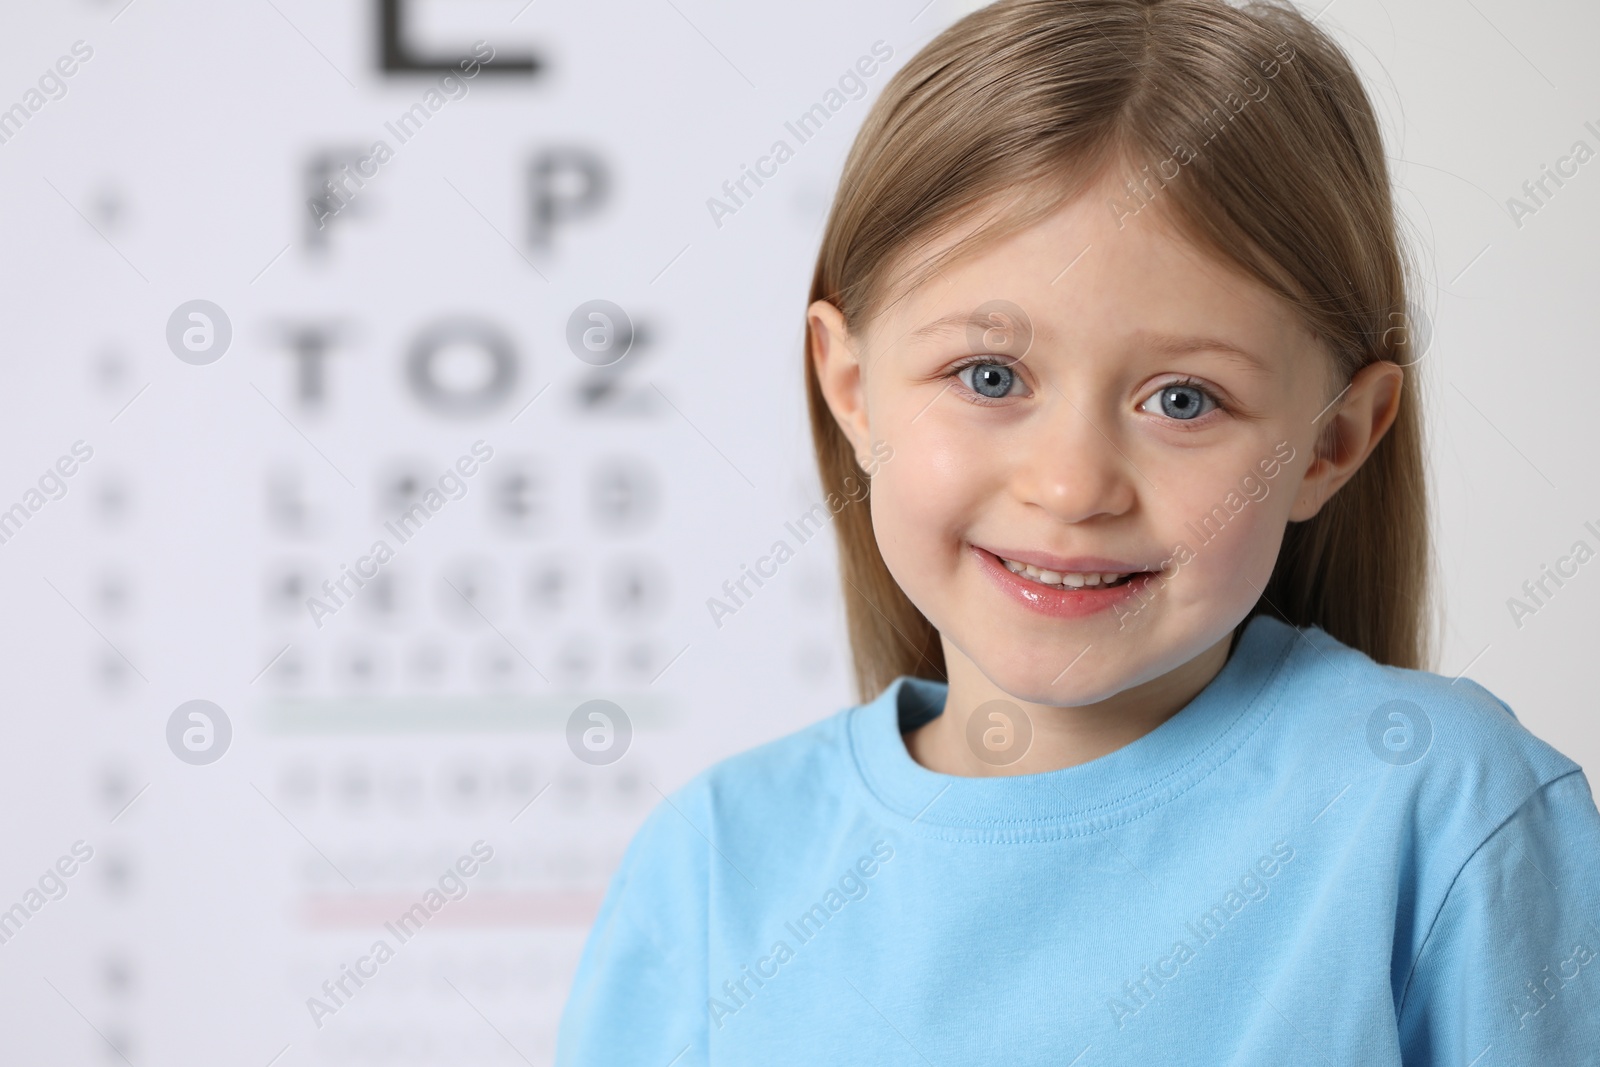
<point>1198,387</point>
<point>954,373</point>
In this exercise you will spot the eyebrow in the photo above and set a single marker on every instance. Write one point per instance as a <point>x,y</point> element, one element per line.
<point>1168,345</point>
<point>971,320</point>
<point>1161,344</point>
<point>966,323</point>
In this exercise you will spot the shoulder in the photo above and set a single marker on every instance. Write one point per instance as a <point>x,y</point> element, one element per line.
<point>778,774</point>
<point>783,789</point>
<point>1411,717</point>
<point>1442,754</point>
<point>1431,777</point>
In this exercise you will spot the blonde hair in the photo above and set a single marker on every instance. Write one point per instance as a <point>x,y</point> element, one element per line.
<point>1012,110</point>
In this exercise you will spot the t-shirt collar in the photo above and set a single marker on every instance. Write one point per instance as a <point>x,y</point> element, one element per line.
<point>1112,789</point>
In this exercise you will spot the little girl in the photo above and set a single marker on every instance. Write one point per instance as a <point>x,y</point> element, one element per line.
<point>1111,315</point>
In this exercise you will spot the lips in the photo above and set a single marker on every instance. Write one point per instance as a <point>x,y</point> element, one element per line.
<point>1071,594</point>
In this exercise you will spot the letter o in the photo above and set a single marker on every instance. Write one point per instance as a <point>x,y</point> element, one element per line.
<point>493,344</point>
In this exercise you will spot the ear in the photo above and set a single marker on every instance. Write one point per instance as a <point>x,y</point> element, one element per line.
<point>1363,416</point>
<point>835,358</point>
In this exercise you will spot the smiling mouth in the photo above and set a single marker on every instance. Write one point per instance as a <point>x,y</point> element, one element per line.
<point>1068,579</point>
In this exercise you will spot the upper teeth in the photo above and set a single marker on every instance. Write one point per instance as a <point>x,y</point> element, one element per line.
<point>1076,581</point>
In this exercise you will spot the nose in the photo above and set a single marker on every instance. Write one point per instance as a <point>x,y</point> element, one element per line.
<point>1065,463</point>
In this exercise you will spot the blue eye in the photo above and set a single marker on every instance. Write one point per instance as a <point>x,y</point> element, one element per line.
<point>1181,401</point>
<point>990,380</point>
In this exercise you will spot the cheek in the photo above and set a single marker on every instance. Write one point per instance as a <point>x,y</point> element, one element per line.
<point>1237,557</point>
<point>925,496</point>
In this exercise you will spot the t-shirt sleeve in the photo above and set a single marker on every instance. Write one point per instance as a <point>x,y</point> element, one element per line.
<point>1510,971</point>
<point>639,993</point>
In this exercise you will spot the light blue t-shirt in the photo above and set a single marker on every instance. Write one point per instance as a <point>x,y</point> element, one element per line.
<point>1318,860</point>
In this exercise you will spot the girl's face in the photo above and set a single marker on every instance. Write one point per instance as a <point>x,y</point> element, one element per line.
<point>1084,399</point>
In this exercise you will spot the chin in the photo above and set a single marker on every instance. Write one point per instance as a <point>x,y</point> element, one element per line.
<point>1037,678</point>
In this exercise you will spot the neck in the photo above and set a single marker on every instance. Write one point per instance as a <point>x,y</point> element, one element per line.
<point>1062,736</point>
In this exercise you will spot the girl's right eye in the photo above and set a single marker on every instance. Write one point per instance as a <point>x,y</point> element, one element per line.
<point>989,380</point>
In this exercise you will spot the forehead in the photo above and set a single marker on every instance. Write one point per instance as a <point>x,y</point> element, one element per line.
<point>1093,271</point>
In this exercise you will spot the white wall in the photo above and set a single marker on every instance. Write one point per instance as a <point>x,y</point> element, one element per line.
<point>370,752</point>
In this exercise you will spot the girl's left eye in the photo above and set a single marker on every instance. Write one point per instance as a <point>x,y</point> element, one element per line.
<point>989,380</point>
<point>1182,401</point>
